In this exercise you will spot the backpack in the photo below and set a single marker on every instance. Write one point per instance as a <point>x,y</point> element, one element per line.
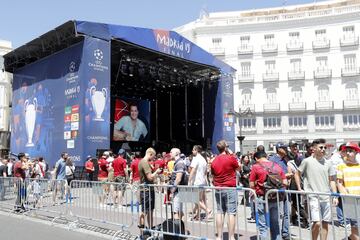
<point>273,181</point>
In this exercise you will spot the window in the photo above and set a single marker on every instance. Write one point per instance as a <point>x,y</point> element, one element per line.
<point>323,91</point>
<point>269,39</point>
<point>351,120</point>
<point>271,95</point>
<point>248,123</point>
<point>216,42</point>
<point>350,61</point>
<point>246,69</point>
<point>246,97</point>
<point>296,95</point>
<point>272,122</point>
<point>295,65</point>
<point>298,121</point>
<point>351,91</point>
<point>349,32</point>
<point>244,41</point>
<point>270,66</point>
<point>294,37</point>
<point>324,121</point>
<point>322,62</point>
<point>2,69</point>
<point>320,35</point>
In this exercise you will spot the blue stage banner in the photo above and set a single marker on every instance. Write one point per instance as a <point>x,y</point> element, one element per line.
<point>46,100</point>
<point>95,70</point>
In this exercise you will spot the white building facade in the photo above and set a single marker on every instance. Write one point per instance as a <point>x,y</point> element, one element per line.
<point>5,98</point>
<point>298,69</point>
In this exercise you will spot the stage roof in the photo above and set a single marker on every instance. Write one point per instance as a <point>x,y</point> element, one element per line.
<point>168,43</point>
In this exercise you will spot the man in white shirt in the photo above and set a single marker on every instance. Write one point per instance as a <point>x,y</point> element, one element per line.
<point>198,169</point>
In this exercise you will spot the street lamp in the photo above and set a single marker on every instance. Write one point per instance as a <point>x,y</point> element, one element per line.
<point>247,113</point>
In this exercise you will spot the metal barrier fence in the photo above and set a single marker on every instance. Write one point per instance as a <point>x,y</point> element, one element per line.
<point>303,212</point>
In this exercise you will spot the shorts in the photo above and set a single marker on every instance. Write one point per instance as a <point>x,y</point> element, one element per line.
<point>319,210</point>
<point>147,200</point>
<point>120,183</point>
<point>226,201</point>
<point>177,204</point>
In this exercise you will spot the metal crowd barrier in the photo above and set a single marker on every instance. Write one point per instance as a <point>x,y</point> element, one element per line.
<point>167,225</point>
<point>297,215</point>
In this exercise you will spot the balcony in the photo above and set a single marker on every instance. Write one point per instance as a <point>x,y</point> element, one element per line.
<point>245,50</point>
<point>247,78</point>
<point>294,46</point>
<point>322,73</point>
<point>270,76</point>
<point>247,106</point>
<point>351,104</point>
<point>350,71</point>
<point>271,107</point>
<point>269,48</point>
<point>217,51</point>
<point>321,44</point>
<point>349,41</point>
<point>297,106</point>
<point>298,75</point>
<point>324,105</point>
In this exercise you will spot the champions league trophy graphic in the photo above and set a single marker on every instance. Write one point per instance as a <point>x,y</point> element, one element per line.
<point>98,102</point>
<point>30,117</point>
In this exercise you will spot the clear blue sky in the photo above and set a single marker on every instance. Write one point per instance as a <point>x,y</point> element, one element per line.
<point>24,20</point>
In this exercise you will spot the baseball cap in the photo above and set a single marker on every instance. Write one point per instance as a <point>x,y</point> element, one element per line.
<point>293,143</point>
<point>106,153</point>
<point>88,156</point>
<point>281,145</point>
<point>121,151</point>
<point>182,155</point>
<point>351,145</point>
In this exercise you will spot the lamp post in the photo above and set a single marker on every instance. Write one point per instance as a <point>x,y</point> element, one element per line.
<point>239,115</point>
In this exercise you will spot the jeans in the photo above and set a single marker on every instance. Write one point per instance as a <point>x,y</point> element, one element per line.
<point>285,221</point>
<point>271,222</point>
<point>339,213</point>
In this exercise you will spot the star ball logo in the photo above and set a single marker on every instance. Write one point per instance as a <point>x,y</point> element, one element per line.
<point>98,54</point>
<point>72,66</point>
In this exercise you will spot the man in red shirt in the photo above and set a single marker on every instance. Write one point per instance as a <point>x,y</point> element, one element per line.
<point>120,176</point>
<point>223,169</point>
<point>103,177</point>
<point>258,175</point>
<point>89,167</point>
<point>135,176</point>
<point>159,163</point>
<point>19,172</point>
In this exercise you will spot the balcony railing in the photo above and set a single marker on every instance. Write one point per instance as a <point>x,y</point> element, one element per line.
<point>321,44</point>
<point>270,76</point>
<point>217,51</point>
<point>350,72</point>
<point>299,106</point>
<point>271,107</point>
<point>322,73</point>
<point>245,50</point>
<point>324,105</point>
<point>349,41</point>
<point>299,75</point>
<point>294,46</point>
<point>269,48</point>
<point>247,106</point>
<point>350,104</point>
<point>245,78</point>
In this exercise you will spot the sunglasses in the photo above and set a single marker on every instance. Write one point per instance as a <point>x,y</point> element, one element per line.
<point>323,147</point>
<point>350,150</point>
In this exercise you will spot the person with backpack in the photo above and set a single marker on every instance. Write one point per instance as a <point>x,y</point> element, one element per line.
<point>281,159</point>
<point>223,169</point>
<point>266,175</point>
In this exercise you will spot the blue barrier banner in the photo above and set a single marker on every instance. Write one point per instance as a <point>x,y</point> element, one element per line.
<point>46,99</point>
<point>96,82</point>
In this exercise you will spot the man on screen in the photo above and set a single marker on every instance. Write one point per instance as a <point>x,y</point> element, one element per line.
<point>130,128</point>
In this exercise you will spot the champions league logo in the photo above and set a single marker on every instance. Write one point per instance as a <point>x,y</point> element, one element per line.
<point>30,117</point>
<point>72,66</point>
<point>98,54</point>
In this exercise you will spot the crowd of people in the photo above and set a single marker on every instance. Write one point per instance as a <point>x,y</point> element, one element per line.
<point>314,170</point>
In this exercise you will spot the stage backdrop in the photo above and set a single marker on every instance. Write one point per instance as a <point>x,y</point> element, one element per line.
<point>61,103</point>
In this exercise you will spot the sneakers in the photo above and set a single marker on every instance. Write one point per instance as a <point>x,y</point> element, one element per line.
<point>251,220</point>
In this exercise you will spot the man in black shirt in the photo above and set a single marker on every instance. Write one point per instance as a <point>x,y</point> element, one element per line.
<point>3,174</point>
